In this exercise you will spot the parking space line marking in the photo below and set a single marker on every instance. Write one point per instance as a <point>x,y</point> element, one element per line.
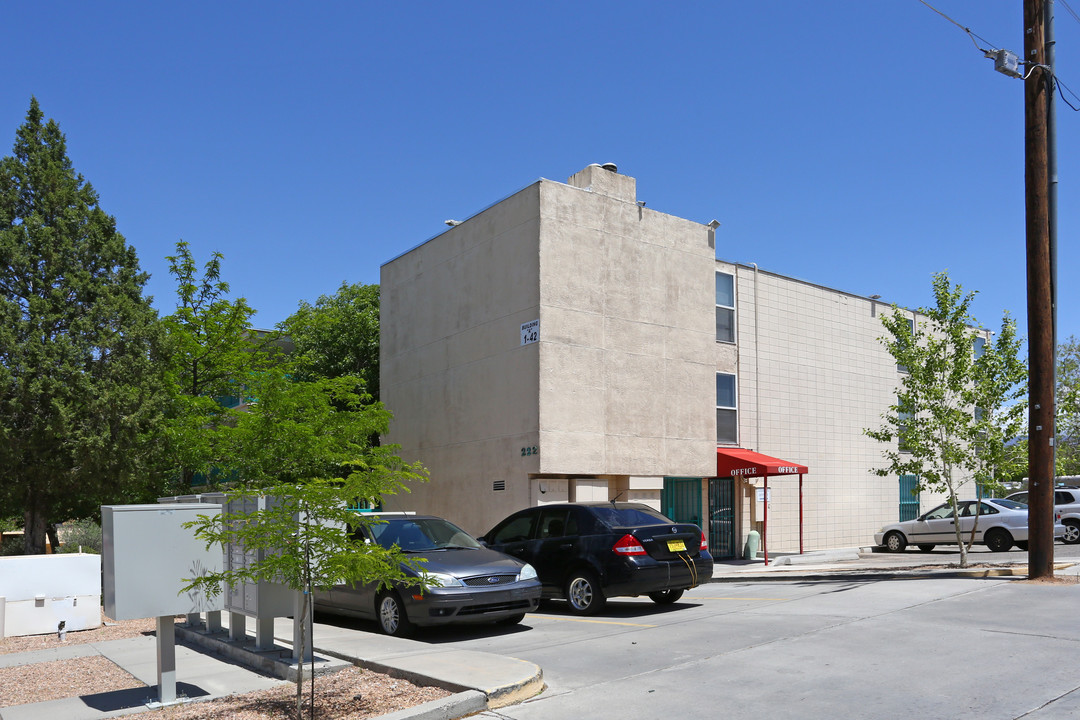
<point>584,620</point>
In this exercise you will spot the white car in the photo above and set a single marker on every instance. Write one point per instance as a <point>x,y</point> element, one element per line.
<point>1002,524</point>
<point>1067,503</point>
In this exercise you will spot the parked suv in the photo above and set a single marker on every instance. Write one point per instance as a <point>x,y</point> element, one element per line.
<point>588,552</point>
<point>1066,502</point>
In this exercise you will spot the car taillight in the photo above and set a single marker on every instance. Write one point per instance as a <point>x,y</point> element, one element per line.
<point>704,542</point>
<point>628,545</point>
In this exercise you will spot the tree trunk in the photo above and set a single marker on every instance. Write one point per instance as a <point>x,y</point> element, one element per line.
<point>33,531</point>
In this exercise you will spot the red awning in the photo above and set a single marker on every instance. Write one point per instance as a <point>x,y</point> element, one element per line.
<point>734,462</point>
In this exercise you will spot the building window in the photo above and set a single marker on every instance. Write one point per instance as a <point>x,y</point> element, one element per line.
<point>979,347</point>
<point>903,418</point>
<point>727,418</point>
<point>725,307</point>
<point>911,333</point>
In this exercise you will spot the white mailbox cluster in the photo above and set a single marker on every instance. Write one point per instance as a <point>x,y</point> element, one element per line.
<point>39,592</point>
<point>149,556</point>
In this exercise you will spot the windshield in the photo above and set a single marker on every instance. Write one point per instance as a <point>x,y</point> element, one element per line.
<point>421,534</point>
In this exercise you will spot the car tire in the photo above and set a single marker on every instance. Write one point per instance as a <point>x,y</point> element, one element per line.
<point>927,548</point>
<point>999,540</point>
<point>391,616</point>
<point>584,594</point>
<point>1022,545</point>
<point>665,597</point>
<point>1072,532</point>
<point>895,542</point>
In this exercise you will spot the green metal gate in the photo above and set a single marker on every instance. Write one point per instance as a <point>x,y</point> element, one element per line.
<point>681,500</point>
<point>909,497</point>
<point>722,518</point>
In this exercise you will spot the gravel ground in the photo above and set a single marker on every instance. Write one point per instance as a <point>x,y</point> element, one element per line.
<point>351,694</point>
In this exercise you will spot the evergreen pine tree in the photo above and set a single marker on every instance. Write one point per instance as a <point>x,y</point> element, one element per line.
<point>78,382</point>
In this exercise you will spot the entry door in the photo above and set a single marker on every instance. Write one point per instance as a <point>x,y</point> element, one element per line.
<point>681,500</point>
<point>722,518</point>
<point>909,497</point>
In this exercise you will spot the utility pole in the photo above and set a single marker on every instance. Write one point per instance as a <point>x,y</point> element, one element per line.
<point>1037,97</point>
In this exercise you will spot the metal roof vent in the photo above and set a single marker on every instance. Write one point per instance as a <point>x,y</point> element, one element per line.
<point>610,167</point>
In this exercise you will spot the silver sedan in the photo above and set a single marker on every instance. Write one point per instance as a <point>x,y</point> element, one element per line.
<point>1000,525</point>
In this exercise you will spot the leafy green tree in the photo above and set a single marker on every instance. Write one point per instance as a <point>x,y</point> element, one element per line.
<point>999,394</point>
<point>954,412</point>
<point>212,351</point>
<point>78,384</point>
<point>1068,408</point>
<point>304,444</point>
<point>339,335</point>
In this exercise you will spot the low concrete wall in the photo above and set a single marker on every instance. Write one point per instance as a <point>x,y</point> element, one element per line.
<point>42,591</point>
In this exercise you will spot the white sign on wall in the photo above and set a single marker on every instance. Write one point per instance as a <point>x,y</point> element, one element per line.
<point>530,332</point>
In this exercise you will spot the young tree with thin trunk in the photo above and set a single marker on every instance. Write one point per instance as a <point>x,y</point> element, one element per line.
<point>954,412</point>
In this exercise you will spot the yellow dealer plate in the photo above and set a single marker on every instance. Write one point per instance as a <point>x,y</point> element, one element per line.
<point>676,545</point>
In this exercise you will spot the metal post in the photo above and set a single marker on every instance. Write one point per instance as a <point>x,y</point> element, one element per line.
<point>800,515</point>
<point>166,660</point>
<point>765,522</point>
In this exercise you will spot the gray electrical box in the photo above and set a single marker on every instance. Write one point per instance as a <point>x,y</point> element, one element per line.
<point>148,556</point>
<point>1007,63</point>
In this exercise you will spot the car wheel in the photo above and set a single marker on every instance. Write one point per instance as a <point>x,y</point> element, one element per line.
<point>998,540</point>
<point>665,597</point>
<point>391,616</point>
<point>512,620</point>
<point>895,542</point>
<point>584,594</point>
<point>1072,532</point>
<point>1022,545</point>
<point>927,548</point>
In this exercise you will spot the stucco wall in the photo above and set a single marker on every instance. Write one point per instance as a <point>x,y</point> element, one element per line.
<point>626,350</point>
<point>453,371</point>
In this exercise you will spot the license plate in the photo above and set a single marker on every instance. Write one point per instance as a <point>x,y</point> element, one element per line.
<point>676,545</point>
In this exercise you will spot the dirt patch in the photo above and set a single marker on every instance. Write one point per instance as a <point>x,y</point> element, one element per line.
<point>1054,580</point>
<point>23,684</point>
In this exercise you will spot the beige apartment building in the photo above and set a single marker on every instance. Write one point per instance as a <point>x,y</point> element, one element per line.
<point>568,343</point>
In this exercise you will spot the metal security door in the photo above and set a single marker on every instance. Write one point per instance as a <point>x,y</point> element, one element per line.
<point>681,500</point>
<point>722,518</point>
<point>909,497</point>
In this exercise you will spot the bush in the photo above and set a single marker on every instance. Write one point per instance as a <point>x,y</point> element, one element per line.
<point>11,546</point>
<point>85,533</point>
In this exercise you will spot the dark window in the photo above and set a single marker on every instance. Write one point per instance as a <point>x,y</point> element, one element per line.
<point>517,529</point>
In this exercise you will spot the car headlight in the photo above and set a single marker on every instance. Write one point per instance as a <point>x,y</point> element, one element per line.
<point>528,572</point>
<point>434,580</point>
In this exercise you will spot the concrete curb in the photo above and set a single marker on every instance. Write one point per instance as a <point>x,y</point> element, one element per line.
<point>456,706</point>
<point>517,681</point>
<point>893,573</point>
<point>276,661</point>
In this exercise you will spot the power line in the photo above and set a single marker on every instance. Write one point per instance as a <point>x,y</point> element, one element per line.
<point>971,34</point>
<point>1071,11</point>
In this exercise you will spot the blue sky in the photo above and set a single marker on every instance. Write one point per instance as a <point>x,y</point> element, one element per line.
<point>858,145</point>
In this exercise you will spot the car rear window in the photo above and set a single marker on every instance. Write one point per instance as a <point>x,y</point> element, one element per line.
<point>629,516</point>
<point>1011,504</point>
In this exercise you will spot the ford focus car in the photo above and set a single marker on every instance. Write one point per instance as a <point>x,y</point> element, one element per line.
<point>588,552</point>
<point>475,584</point>
<point>1001,524</point>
